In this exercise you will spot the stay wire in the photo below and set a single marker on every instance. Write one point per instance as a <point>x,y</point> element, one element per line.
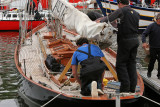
<point>150,100</point>
<point>51,100</point>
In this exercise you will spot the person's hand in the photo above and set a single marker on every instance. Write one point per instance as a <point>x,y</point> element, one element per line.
<point>35,8</point>
<point>144,45</point>
<point>98,21</point>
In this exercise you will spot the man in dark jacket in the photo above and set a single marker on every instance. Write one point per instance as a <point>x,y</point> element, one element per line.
<point>153,30</point>
<point>128,23</point>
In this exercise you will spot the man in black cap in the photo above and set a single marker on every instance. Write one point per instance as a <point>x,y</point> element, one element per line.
<point>153,30</point>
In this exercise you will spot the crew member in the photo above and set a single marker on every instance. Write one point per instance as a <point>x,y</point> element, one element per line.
<point>39,5</point>
<point>88,79</point>
<point>31,7</point>
<point>127,23</point>
<point>153,30</point>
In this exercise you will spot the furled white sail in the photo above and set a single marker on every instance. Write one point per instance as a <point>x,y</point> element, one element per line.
<point>74,19</point>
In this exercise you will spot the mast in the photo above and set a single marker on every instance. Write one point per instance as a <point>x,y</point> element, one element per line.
<point>49,4</point>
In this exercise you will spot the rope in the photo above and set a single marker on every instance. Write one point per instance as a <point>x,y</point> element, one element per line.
<point>150,100</point>
<point>51,100</point>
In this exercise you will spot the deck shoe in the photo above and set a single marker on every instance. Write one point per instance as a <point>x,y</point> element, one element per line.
<point>131,93</point>
<point>94,91</point>
<point>124,94</point>
<point>100,92</point>
<point>148,74</point>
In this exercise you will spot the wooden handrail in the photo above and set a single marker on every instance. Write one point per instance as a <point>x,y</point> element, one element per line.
<point>110,68</point>
<point>65,70</point>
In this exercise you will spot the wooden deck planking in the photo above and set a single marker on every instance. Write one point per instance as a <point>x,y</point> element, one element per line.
<point>31,54</point>
<point>109,57</point>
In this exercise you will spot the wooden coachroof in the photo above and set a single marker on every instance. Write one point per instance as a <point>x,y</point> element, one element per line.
<point>61,49</point>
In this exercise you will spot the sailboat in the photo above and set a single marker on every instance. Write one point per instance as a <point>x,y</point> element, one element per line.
<point>56,39</point>
<point>13,10</point>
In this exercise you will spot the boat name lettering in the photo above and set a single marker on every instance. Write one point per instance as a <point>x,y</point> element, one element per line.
<point>59,9</point>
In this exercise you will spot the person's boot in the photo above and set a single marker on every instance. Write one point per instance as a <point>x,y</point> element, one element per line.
<point>148,74</point>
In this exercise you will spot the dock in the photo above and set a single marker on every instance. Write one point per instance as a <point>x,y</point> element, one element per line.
<point>153,82</point>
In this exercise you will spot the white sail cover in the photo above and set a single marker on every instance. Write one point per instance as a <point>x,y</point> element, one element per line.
<point>76,20</point>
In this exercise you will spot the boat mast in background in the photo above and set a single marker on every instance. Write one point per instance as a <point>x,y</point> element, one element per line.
<point>20,4</point>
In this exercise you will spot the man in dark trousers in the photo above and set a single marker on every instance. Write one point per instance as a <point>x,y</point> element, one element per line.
<point>153,30</point>
<point>127,23</point>
<point>31,7</point>
<point>90,78</point>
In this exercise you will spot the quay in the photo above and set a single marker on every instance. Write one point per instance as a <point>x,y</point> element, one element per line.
<point>153,82</point>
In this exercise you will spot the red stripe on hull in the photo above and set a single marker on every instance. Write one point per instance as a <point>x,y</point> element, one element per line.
<point>14,25</point>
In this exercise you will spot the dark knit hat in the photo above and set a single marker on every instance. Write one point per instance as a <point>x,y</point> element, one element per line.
<point>125,2</point>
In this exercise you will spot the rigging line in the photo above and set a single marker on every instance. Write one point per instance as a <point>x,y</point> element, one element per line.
<point>51,100</point>
<point>108,13</point>
<point>150,100</point>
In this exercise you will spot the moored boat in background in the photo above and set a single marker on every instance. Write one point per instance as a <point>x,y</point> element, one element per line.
<point>12,11</point>
<point>10,20</point>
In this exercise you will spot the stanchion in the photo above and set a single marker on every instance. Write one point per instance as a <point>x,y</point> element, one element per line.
<point>118,101</point>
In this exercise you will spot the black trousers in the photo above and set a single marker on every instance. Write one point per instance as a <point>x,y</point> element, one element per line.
<point>126,64</point>
<point>87,80</point>
<point>154,54</point>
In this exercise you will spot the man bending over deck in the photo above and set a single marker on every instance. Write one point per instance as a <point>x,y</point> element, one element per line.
<point>92,67</point>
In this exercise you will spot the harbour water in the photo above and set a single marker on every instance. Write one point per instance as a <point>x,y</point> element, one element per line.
<point>10,78</point>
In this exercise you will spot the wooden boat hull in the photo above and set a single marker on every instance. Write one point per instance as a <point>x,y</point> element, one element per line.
<point>14,24</point>
<point>41,94</point>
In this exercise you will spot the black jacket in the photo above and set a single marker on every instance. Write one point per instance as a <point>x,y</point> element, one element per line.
<point>128,22</point>
<point>153,30</point>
